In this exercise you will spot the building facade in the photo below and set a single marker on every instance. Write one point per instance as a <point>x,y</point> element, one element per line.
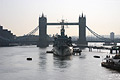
<point>112,36</point>
<point>5,36</point>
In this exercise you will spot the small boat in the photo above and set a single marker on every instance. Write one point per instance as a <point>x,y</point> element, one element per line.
<point>77,51</point>
<point>49,51</point>
<point>96,56</point>
<point>29,58</point>
<point>112,63</point>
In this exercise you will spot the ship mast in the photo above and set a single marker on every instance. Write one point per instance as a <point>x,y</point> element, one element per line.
<point>62,28</point>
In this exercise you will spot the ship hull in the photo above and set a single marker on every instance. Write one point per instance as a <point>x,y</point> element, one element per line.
<point>62,51</point>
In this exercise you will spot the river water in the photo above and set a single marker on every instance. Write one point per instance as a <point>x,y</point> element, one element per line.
<point>44,66</point>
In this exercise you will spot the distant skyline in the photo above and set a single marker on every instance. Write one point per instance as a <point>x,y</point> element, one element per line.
<point>21,16</point>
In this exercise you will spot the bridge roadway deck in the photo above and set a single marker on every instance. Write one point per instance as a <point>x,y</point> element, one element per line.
<point>63,23</point>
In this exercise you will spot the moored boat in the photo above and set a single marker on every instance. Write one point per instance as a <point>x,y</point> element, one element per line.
<point>112,63</point>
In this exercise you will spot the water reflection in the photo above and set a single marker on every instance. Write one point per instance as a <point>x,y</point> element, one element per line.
<point>62,58</point>
<point>43,60</point>
<point>62,62</point>
<point>82,56</point>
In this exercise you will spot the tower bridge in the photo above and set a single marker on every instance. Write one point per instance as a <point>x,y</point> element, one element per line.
<point>42,27</point>
<point>43,30</point>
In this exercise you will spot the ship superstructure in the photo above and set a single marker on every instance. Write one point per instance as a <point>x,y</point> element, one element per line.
<point>62,43</point>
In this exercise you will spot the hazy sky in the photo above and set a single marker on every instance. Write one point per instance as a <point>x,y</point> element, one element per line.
<point>21,16</point>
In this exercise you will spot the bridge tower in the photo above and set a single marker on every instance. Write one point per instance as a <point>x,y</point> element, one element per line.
<point>82,30</point>
<point>43,42</point>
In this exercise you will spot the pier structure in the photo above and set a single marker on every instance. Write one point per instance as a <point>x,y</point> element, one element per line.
<point>116,49</point>
<point>43,42</point>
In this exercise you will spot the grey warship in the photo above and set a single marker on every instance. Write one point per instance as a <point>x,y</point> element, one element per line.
<point>62,45</point>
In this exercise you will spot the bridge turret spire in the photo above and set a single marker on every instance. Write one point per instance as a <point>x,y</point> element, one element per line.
<point>79,15</point>
<point>62,28</point>
<point>42,15</point>
<point>82,14</point>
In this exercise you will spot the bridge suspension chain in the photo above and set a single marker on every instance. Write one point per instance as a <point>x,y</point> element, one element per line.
<point>97,35</point>
<point>32,32</point>
<point>29,34</point>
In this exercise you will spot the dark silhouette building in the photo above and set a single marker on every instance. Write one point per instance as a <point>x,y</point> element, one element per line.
<point>43,42</point>
<point>82,30</point>
<point>5,37</point>
<point>112,34</point>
